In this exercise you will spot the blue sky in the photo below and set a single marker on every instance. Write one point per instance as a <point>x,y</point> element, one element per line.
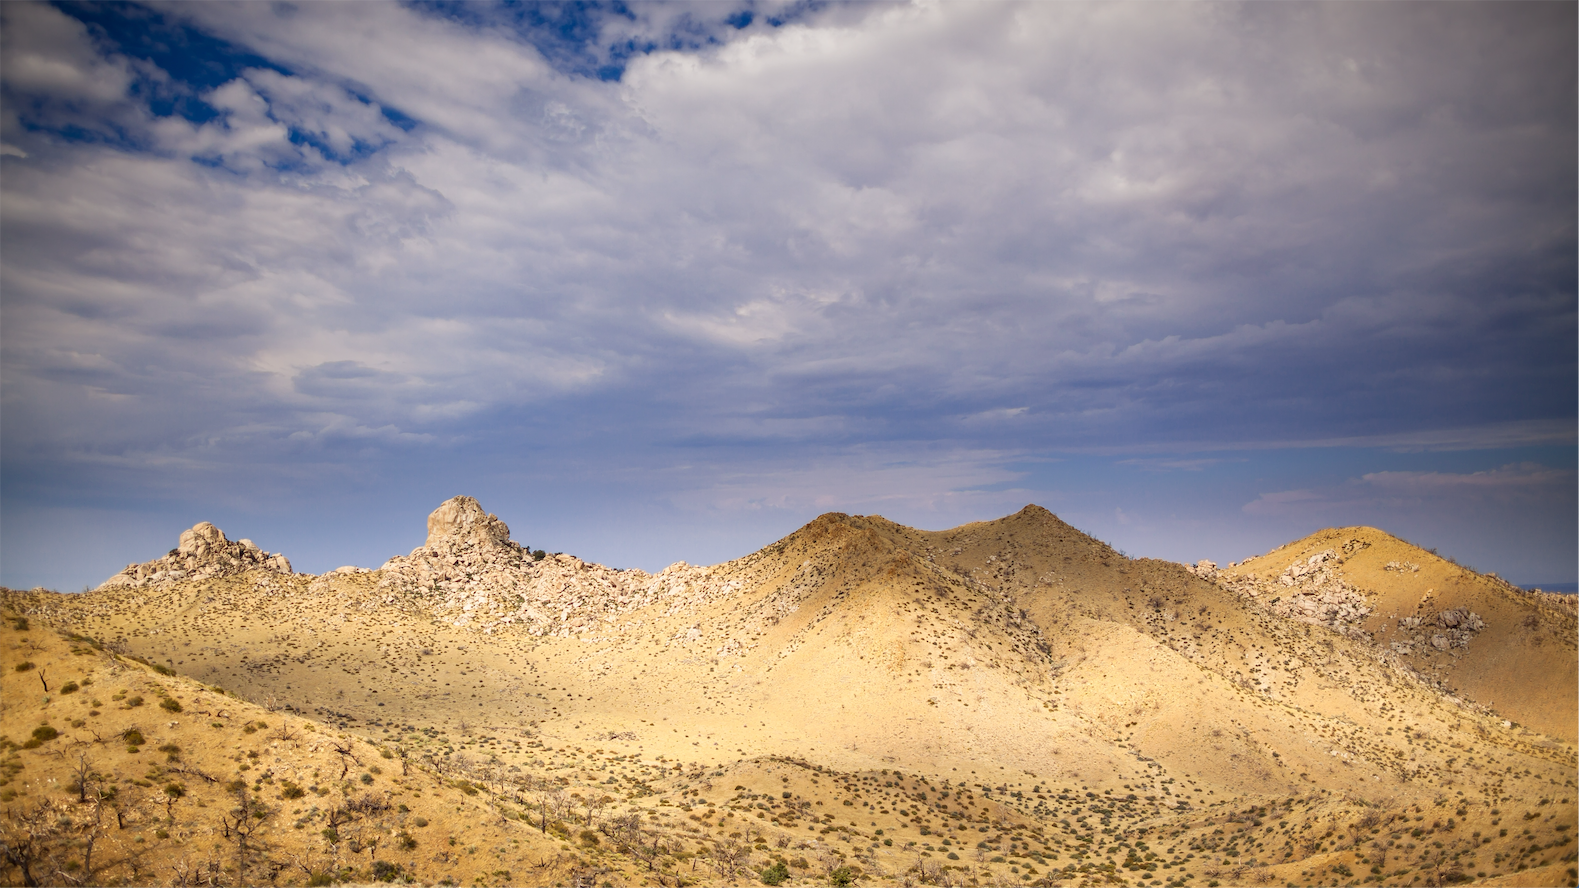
<point>665,281</point>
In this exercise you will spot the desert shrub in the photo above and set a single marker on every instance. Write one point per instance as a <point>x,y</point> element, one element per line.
<point>320,879</point>
<point>174,790</point>
<point>24,666</point>
<point>842,876</point>
<point>70,687</point>
<point>405,841</point>
<point>133,702</point>
<point>799,863</point>
<point>589,837</point>
<point>385,871</point>
<point>292,791</point>
<point>133,737</point>
<point>19,624</point>
<point>419,822</point>
<point>775,874</point>
<point>366,779</point>
<point>170,704</point>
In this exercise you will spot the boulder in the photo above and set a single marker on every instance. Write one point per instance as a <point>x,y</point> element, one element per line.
<point>461,522</point>
<point>202,552</point>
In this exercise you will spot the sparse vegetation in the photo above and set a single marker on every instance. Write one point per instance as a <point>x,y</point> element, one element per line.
<point>565,757</point>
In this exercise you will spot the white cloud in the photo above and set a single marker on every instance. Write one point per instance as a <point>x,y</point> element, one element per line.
<point>971,228</point>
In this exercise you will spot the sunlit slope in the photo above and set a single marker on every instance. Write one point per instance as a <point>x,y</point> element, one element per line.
<point>1520,662</point>
<point>1015,663</point>
<point>113,772</point>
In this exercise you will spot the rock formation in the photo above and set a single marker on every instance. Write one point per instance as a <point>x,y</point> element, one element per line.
<point>1309,591</point>
<point>459,522</point>
<point>203,552</point>
<point>470,573</point>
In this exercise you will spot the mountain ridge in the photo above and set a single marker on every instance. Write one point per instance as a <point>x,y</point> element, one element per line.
<point>1020,658</point>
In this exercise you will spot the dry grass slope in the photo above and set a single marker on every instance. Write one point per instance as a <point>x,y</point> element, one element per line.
<point>1008,702</point>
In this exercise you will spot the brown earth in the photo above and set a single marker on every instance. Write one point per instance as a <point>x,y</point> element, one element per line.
<point>1012,693</point>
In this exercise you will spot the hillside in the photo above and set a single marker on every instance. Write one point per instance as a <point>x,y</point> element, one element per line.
<point>1008,701</point>
<point>1474,635</point>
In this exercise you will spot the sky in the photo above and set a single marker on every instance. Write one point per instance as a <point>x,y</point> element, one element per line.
<point>666,281</point>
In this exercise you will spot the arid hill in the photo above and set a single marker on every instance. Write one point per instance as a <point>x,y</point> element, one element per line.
<point>1005,702</point>
<point>1473,635</point>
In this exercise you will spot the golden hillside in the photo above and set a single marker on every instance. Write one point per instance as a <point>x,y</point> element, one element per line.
<point>1005,702</point>
<point>1474,635</point>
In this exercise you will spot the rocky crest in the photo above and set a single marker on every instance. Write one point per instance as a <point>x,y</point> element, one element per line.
<point>470,573</point>
<point>202,553</point>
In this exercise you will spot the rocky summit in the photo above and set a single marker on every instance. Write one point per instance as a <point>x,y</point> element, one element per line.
<point>202,553</point>
<point>1009,702</point>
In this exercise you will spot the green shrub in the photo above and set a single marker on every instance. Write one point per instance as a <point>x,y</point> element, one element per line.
<point>70,687</point>
<point>133,737</point>
<point>170,704</point>
<point>842,877</point>
<point>775,874</point>
<point>385,871</point>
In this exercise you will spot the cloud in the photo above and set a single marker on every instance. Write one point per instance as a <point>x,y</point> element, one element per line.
<point>1527,485</point>
<point>1015,229</point>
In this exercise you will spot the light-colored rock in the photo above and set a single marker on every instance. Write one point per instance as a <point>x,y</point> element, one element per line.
<point>202,552</point>
<point>461,521</point>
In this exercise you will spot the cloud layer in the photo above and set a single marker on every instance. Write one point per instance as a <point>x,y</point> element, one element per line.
<point>819,257</point>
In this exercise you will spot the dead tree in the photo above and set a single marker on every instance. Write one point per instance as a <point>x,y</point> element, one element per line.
<point>92,829</point>
<point>26,838</point>
<point>82,775</point>
<point>243,820</point>
<point>347,755</point>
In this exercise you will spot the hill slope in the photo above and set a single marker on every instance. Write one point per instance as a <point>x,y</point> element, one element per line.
<point>1033,677</point>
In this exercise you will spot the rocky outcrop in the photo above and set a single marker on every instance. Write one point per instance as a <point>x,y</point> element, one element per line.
<point>460,522</point>
<point>1309,591</point>
<point>203,552</point>
<point>470,574</point>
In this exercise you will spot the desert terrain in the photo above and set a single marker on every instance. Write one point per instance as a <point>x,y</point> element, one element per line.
<point>1009,702</point>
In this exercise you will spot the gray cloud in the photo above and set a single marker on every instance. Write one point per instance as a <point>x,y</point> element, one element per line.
<point>992,231</point>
